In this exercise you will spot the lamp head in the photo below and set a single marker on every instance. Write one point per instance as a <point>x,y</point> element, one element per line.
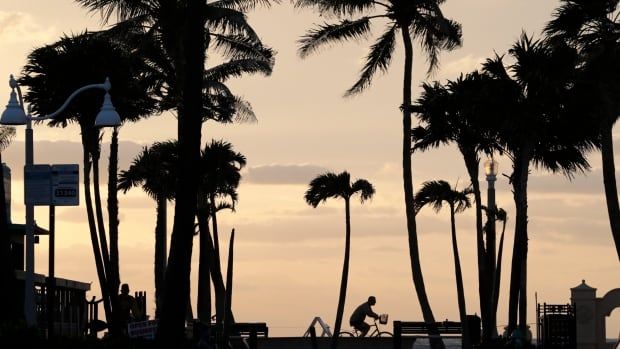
<point>491,167</point>
<point>14,113</point>
<point>107,117</point>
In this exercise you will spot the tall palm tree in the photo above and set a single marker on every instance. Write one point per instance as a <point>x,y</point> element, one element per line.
<point>435,194</point>
<point>533,130</point>
<point>331,185</point>
<point>7,271</point>
<point>49,75</point>
<point>181,32</point>
<point>456,112</point>
<point>154,169</point>
<point>593,27</point>
<point>425,21</point>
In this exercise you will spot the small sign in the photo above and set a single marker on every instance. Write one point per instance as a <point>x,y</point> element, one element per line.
<point>47,185</point>
<point>65,185</point>
<point>37,182</point>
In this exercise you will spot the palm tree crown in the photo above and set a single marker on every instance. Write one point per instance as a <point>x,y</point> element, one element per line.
<point>331,185</point>
<point>424,19</point>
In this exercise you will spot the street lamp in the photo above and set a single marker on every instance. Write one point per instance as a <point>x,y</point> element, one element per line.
<point>490,169</point>
<point>14,114</point>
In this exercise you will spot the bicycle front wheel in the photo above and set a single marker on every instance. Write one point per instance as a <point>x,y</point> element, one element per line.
<point>345,334</point>
<point>385,334</point>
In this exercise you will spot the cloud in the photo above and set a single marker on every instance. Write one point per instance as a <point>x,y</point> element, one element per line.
<point>20,27</point>
<point>283,174</point>
<point>463,65</point>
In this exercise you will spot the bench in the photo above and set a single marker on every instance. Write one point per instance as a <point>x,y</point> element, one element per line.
<point>420,329</point>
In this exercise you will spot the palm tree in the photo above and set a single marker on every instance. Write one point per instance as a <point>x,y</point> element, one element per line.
<point>593,27</point>
<point>456,112</point>
<point>534,130</point>
<point>425,21</point>
<point>220,176</point>
<point>331,185</point>
<point>179,32</point>
<point>435,194</point>
<point>7,272</point>
<point>154,169</point>
<point>49,76</point>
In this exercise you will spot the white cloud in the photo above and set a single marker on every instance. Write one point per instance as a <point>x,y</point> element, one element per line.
<point>20,27</point>
<point>466,64</point>
<point>283,174</point>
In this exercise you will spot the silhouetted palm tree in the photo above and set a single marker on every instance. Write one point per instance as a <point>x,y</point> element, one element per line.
<point>533,130</point>
<point>180,32</point>
<point>456,112</point>
<point>7,270</point>
<point>154,170</point>
<point>50,76</point>
<point>593,26</point>
<point>425,21</point>
<point>435,194</point>
<point>331,185</point>
<point>220,176</point>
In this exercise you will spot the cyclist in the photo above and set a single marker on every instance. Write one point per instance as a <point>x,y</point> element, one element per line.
<point>360,313</point>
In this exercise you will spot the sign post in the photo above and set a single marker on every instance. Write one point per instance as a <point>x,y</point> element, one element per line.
<point>55,185</point>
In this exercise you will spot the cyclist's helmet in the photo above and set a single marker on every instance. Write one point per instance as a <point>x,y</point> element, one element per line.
<point>372,300</point>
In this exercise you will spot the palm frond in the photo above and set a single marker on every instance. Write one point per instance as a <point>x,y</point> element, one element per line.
<point>124,9</point>
<point>242,47</point>
<point>7,133</point>
<point>229,21</point>
<point>378,58</point>
<point>243,5</point>
<point>365,188</point>
<point>435,33</point>
<point>326,34</point>
<point>338,7</point>
<point>236,68</point>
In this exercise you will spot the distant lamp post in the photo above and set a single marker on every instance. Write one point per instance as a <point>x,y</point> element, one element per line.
<point>491,169</point>
<point>14,114</point>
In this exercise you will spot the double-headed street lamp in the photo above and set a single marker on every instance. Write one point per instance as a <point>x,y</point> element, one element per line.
<point>14,114</point>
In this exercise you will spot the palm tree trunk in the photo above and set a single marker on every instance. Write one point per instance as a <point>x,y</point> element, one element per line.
<point>103,240</point>
<point>345,275</point>
<point>189,58</point>
<point>472,164</point>
<point>414,253</point>
<point>93,233</point>
<point>459,283</point>
<point>228,321</point>
<point>609,181</point>
<point>519,183</point>
<point>114,275</point>
<point>204,275</point>
<point>218,281</point>
<point>498,270</point>
<point>216,237</point>
<point>161,251</point>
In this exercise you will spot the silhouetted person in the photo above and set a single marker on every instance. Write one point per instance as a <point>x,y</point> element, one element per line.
<point>360,313</point>
<point>127,308</point>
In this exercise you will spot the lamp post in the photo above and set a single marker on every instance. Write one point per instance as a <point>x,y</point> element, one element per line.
<point>14,114</point>
<point>491,169</point>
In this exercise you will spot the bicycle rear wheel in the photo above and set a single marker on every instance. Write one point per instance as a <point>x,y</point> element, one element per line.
<point>385,334</point>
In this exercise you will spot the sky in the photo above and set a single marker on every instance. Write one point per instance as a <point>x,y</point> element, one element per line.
<point>288,255</point>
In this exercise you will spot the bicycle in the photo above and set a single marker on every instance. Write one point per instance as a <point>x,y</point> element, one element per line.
<point>375,331</point>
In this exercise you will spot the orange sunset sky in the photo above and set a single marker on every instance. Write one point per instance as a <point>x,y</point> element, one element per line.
<point>288,255</point>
